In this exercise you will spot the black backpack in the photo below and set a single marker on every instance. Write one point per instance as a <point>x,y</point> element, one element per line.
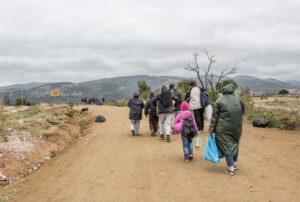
<point>205,101</point>
<point>100,119</point>
<point>166,99</point>
<point>188,129</point>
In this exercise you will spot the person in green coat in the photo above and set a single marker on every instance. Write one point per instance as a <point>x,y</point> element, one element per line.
<point>226,123</point>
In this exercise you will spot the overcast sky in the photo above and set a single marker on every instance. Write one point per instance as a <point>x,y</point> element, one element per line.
<point>76,40</point>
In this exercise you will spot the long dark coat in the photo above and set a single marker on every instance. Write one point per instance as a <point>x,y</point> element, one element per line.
<point>136,106</point>
<point>227,121</point>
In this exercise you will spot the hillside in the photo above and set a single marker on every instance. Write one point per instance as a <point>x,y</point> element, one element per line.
<point>122,87</point>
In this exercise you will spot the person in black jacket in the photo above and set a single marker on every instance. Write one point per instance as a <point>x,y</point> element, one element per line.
<point>136,106</point>
<point>177,104</point>
<point>151,110</point>
<point>165,109</point>
<point>176,93</point>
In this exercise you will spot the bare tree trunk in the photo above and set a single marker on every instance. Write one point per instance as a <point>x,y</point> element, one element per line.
<point>194,66</point>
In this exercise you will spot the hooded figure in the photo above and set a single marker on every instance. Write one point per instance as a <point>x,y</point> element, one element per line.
<point>165,105</point>
<point>136,106</point>
<point>150,109</point>
<point>183,114</point>
<point>227,120</point>
<point>165,109</point>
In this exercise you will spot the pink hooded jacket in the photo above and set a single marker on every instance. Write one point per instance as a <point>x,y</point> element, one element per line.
<point>183,114</point>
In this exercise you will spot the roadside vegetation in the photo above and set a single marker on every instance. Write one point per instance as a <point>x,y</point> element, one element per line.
<point>31,135</point>
<point>283,111</point>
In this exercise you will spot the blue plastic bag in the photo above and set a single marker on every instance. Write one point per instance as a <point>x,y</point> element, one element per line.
<point>220,154</point>
<point>211,152</point>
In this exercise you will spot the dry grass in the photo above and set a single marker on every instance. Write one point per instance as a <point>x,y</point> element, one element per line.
<point>38,119</point>
<point>289,105</point>
<point>286,108</point>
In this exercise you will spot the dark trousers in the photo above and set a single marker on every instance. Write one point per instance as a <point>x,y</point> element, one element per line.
<point>198,113</point>
<point>153,123</point>
<point>230,160</point>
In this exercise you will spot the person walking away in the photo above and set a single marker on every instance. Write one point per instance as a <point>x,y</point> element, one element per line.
<point>136,106</point>
<point>187,141</point>
<point>150,110</point>
<point>226,123</point>
<point>195,105</point>
<point>165,109</point>
<point>177,104</point>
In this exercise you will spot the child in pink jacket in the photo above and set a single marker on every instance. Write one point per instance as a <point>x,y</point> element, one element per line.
<point>177,127</point>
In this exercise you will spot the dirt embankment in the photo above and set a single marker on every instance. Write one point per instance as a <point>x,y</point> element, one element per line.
<point>34,135</point>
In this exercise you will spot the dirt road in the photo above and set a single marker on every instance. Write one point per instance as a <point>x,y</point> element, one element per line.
<point>109,164</point>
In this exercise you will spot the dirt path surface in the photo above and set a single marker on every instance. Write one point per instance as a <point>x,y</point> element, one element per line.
<point>109,164</point>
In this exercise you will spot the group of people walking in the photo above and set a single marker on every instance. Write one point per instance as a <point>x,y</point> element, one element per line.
<point>161,109</point>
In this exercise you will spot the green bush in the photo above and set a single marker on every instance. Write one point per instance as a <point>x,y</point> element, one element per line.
<point>283,92</point>
<point>25,102</point>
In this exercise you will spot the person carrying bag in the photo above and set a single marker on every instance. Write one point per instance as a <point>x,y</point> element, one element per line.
<point>185,124</point>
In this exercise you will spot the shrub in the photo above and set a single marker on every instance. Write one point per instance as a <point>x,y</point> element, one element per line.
<point>245,96</point>
<point>144,89</point>
<point>283,92</point>
<point>24,100</point>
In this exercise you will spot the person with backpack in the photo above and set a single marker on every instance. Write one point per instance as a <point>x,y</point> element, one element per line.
<point>136,106</point>
<point>165,109</point>
<point>177,104</point>
<point>226,124</point>
<point>205,103</point>
<point>175,93</point>
<point>185,124</point>
<point>195,105</point>
<point>151,110</point>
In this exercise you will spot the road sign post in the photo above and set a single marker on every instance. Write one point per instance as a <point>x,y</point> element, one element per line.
<point>55,93</point>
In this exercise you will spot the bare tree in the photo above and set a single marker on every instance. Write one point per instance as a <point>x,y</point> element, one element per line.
<point>194,66</point>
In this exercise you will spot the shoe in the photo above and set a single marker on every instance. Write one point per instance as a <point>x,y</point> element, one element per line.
<point>137,134</point>
<point>152,132</point>
<point>236,167</point>
<point>162,136</point>
<point>191,157</point>
<point>133,132</point>
<point>155,134</point>
<point>187,160</point>
<point>229,172</point>
<point>168,138</point>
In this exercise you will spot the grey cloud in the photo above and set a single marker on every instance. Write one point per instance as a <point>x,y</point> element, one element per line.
<point>85,40</point>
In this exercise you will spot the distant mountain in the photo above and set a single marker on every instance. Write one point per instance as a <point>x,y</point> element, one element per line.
<point>293,83</point>
<point>24,86</point>
<point>111,88</point>
<point>122,87</point>
<point>261,85</point>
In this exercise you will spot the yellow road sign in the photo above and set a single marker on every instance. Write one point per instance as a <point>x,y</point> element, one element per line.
<point>55,92</point>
